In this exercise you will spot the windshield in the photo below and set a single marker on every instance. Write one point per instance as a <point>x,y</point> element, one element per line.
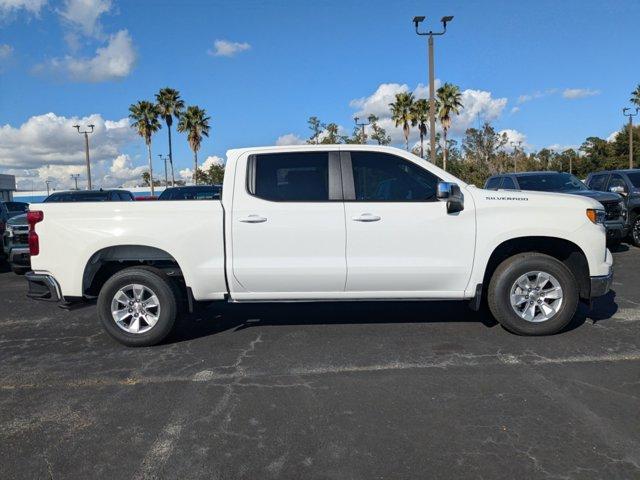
<point>78,197</point>
<point>635,178</point>
<point>16,206</point>
<point>551,182</point>
<point>206,192</point>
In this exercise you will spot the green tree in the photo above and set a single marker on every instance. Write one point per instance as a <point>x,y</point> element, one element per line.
<point>317,127</point>
<point>402,114</point>
<point>195,123</point>
<point>144,116</point>
<point>331,135</point>
<point>420,118</point>
<point>635,96</point>
<point>450,100</point>
<point>170,105</point>
<point>211,176</point>
<point>378,134</point>
<point>483,144</point>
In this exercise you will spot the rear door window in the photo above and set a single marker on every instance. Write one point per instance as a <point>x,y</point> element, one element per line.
<point>493,183</point>
<point>508,184</point>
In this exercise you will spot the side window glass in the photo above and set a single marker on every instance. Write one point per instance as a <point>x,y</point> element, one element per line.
<point>617,181</point>
<point>493,183</point>
<point>291,177</point>
<point>381,177</point>
<point>598,182</point>
<point>508,184</point>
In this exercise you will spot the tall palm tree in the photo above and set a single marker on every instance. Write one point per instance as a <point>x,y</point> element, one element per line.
<point>195,123</point>
<point>170,105</point>
<point>420,114</point>
<point>401,114</point>
<point>450,100</point>
<point>635,96</point>
<point>144,116</point>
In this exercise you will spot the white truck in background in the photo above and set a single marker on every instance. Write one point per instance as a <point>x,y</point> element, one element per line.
<point>326,222</point>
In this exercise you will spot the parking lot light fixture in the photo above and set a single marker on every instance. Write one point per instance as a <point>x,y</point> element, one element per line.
<point>86,150</point>
<point>362,125</point>
<point>417,20</point>
<point>630,115</point>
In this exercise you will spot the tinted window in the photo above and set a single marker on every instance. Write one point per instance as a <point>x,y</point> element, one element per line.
<point>205,192</point>
<point>493,183</point>
<point>78,197</point>
<point>124,196</point>
<point>291,177</point>
<point>16,206</point>
<point>380,177</point>
<point>617,181</point>
<point>635,178</point>
<point>597,182</point>
<point>508,184</point>
<point>550,182</point>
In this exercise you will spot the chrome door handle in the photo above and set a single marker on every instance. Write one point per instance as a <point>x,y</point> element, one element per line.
<point>366,217</point>
<point>253,219</point>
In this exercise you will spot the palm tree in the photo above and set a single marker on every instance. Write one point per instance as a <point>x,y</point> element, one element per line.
<point>401,113</point>
<point>420,114</point>
<point>450,100</point>
<point>635,96</point>
<point>169,105</point>
<point>144,116</point>
<point>195,123</point>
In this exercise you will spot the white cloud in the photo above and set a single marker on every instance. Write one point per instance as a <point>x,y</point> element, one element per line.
<point>515,110</point>
<point>50,139</point>
<point>5,51</point>
<point>557,147</point>
<point>8,7</point>
<point>226,48</point>
<point>516,137</point>
<point>378,102</point>
<point>573,93</point>
<point>212,160</point>
<point>290,139</point>
<point>84,15</point>
<point>612,136</point>
<point>111,62</point>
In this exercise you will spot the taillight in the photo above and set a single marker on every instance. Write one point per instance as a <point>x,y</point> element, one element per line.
<point>34,217</point>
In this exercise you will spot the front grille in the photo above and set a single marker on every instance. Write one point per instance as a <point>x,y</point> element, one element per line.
<point>21,239</point>
<point>613,210</point>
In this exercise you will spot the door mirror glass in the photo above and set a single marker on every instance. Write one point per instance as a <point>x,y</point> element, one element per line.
<point>451,193</point>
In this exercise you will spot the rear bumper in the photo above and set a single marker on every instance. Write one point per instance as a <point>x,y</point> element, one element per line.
<point>43,287</point>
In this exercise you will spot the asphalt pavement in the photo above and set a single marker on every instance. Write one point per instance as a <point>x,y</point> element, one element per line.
<point>322,391</point>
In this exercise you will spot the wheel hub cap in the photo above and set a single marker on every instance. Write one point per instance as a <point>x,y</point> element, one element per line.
<point>536,296</point>
<point>135,308</point>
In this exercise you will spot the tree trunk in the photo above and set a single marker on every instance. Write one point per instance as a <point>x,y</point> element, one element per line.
<point>173,178</point>
<point>421,145</point>
<point>195,167</point>
<point>150,169</point>
<point>444,151</point>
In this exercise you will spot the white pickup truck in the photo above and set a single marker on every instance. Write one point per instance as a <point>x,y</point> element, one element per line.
<point>324,223</point>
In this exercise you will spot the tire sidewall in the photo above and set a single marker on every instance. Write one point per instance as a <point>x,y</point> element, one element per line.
<point>500,294</point>
<point>160,285</point>
<point>635,224</point>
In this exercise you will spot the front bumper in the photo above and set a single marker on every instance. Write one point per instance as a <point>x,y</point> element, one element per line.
<point>43,287</point>
<point>616,230</point>
<point>601,285</point>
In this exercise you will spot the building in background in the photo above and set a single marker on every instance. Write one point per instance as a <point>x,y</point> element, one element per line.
<point>7,187</point>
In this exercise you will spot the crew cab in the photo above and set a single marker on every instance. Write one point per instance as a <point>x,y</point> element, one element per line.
<point>324,223</point>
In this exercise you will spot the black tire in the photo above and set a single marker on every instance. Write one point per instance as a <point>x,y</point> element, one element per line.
<point>164,289</point>
<point>19,270</point>
<point>634,231</point>
<point>499,294</point>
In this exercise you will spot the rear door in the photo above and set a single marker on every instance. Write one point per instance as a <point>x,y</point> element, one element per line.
<point>288,231</point>
<point>401,242</point>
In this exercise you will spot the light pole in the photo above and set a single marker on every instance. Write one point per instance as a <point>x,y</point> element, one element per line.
<point>432,96</point>
<point>86,150</point>
<point>515,154</point>
<point>47,182</point>
<point>75,177</point>
<point>630,115</point>
<point>166,179</point>
<point>363,124</point>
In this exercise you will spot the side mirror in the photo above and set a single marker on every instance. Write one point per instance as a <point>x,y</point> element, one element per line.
<point>619,189</point>
<point>452,194</point>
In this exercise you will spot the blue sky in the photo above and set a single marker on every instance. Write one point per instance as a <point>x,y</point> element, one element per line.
<point>549,72</point>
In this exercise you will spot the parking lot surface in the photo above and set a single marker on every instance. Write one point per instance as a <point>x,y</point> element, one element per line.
<point>327,391</point>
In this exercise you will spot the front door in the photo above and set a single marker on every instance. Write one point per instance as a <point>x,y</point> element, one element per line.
<point>401,242</point>
<point>288,228</point>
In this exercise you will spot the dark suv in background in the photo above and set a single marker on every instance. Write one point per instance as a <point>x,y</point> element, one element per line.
<point>562,182</point>
<point>627,184</point>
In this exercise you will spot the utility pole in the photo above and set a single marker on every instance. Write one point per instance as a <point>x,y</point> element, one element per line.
<point>515,154</point>
<point>630,115</point>
<point>47,182</point>
<point>432,96</point>
<point>75,177</point>
<point>86,151</point>
<point>363,124</point>
<point>166,179</point>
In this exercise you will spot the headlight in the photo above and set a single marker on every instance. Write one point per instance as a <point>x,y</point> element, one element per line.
<point>597,216</point>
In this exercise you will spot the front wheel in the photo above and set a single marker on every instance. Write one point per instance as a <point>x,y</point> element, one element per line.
<point>634,233</point>
<point>138,306</point>
<point>533,294</point>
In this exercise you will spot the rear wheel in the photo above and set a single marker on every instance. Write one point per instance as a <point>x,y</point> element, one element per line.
<point>533,294</point>
<point>634,234</point>
<point>138,306</point>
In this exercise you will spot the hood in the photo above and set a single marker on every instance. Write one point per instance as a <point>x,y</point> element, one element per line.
<point>599,196</point>
<point>524,198</point>
<point>18,220</point>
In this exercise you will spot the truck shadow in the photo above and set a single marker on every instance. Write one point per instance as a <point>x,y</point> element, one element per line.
<point>221,316</point>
